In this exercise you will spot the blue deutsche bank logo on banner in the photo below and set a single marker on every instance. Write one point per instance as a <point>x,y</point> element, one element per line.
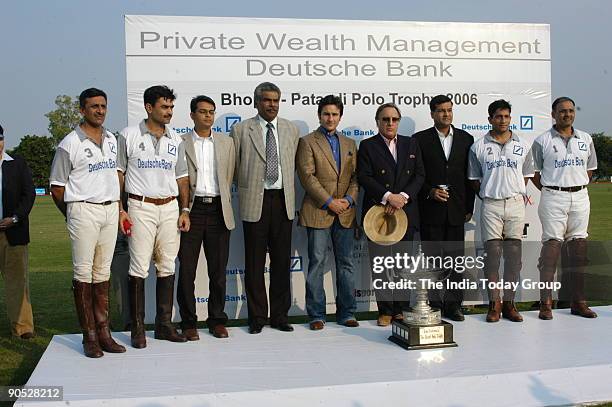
<point>296,264</point>
<point>526,122</point>
<point>230,121</point>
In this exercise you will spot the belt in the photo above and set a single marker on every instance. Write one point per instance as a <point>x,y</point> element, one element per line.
<point>206,199</point>
<point>155,201</point>
<point>99,203</point>
<point>567,189</point>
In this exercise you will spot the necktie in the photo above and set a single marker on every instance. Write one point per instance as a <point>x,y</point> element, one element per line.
<point>271,156</point>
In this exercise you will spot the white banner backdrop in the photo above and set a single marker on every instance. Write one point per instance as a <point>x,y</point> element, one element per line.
<point>367,63</point>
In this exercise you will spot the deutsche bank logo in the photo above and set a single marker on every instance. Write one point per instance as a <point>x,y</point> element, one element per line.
<point>230,121</point>
<point>172,149</point>
<point>296,264</point>
<point>526,122</point>
<point>581,146</point>
<point>518,150</point>
<point>112,147</point>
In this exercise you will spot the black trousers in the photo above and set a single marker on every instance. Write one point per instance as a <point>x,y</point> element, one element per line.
<point>208,229</point>
<point>272,233</point>
<point>444,240</point>
<point>395,305</point>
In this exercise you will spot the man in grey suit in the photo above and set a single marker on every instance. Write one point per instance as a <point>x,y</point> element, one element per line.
<point>210,162</point>
<point>265,164</point>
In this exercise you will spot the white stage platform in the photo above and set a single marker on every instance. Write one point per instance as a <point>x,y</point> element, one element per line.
<point>534,363</point>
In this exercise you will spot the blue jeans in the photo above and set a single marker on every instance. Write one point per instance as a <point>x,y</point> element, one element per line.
<point>343,242</point>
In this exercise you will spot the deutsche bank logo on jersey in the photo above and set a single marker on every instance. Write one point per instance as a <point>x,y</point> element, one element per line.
<point>172,149</point>
<point>582,146</point>
<point>112,147</point>
<point>230,121</point>
<point>518,150</point>
<point>526,122</point>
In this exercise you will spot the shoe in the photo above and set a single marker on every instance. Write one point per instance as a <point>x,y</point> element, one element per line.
<point>383,320</point>
<point>510,312</point>
<point>191,334</point>
<point>100,308</point>
<point>84,307</point>
<point>26,336</point>
<point>164,296</point>
<point>454,314</point>
<point>494,311</point>
<point>582,309</point>
<point>351,323</point>
<point>398,317</point>
<point>255,329</point>
<point>137,314</point>
<point>316,325</point>
<point>545,310</point>
<point>283,326</point>
<point>219,331</point>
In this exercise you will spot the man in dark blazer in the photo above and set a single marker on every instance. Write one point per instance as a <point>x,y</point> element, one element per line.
<point>446,199</point>
<point>265,165</point>
<point>16,201</point>
<point>390,170</point>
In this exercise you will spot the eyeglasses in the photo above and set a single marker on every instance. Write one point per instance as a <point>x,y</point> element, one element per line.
<point>390,119</point>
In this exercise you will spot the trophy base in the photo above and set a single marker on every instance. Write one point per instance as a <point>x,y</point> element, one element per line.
<point>413,337</point>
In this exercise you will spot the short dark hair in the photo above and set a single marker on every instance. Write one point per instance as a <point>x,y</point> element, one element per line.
<point>90,93</point>
<point>330,100</point>
<point>561,100</point>
<point>386,105</point>
<point>1,131</point>
<point>201,98</point>
<point>152,94</point>
<point>438,100</point>
<point>264,87</point>
<point>499,104</point>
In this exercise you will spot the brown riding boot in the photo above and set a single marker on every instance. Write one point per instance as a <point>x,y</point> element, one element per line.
<point>494,312</point>
<point>493,252</point>
<point>137,314</point>
<point>510,312</point>
<point>547,264</point>
<point>100,302</point>
<point>577,253</point>
<point>164,329</point>
<point>84,305</point>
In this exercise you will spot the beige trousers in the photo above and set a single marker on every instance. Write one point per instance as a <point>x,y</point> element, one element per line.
<point>14,268</point>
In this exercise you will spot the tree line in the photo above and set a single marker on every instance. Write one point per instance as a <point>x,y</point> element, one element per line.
<point>38,151</point>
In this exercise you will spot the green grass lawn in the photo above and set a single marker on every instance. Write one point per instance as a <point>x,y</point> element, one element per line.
<point>50,284</point>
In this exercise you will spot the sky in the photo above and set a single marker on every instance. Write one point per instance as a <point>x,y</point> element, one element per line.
<point>48,48</point>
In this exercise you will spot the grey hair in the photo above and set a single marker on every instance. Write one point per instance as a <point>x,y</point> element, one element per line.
<point>264,87</point>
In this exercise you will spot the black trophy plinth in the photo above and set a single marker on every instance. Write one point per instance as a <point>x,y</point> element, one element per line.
<point>410,336</point>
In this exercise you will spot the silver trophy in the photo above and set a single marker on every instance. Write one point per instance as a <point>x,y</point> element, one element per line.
<point>422,327</point>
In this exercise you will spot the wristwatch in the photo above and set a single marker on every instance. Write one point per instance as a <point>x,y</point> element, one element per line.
<point>186,210</point>
<point>15,219</point>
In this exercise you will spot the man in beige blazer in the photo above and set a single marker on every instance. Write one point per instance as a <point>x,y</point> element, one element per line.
<point>265,163</point>
<point>210,162</point>
<point>326,164</point>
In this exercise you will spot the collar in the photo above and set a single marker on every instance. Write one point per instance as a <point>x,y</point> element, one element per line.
<point>83,136</point>
<point>145,130</point>
<point>323,131</point>
<point>387,141</point>
<point>488,138</point>
<point>442,135</point>
<point>555,133</point>
<point>6,157</point>
<point>264,123</point>
<point>196,137</point>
